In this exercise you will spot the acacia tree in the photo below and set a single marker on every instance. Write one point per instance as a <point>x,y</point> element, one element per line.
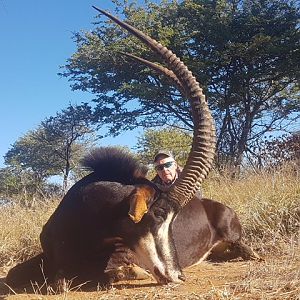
<point>28,167</point>
<point>70,134</point>
<point>55,147</point>
<point>31,162</point>
<point>245,54</point>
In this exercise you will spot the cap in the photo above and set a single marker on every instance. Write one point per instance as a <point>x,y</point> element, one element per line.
<point>163,153</point>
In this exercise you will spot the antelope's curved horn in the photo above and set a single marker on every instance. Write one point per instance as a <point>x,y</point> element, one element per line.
<point>202,152</point>
<point>159,69</point>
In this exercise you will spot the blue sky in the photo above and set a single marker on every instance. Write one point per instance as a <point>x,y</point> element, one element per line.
<point>36,39</point>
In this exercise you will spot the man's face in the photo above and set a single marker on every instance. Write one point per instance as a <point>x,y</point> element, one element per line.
<point>166,168</point>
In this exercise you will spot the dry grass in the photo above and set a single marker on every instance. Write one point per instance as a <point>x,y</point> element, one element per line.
<point>20,229</point>
<point>268,205</point>
<point>269,208</point>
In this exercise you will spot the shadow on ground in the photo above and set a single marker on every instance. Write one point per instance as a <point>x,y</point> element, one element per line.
<point>4,290</point>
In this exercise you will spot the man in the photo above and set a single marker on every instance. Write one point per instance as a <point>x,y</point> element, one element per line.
<point>167,171</point>
<point>166,168</point>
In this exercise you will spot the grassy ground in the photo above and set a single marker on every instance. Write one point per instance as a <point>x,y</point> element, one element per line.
<point>269,208</point>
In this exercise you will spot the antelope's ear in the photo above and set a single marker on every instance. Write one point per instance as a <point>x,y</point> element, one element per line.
<point>139,202</point>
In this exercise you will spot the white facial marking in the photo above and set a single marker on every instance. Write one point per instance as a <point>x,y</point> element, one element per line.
<point>147,254</point>
<point>146,251</point>
<point>163,235</point>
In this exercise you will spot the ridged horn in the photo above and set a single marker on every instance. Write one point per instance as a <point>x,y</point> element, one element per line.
<point>159,69</point>
<point>201,156</point>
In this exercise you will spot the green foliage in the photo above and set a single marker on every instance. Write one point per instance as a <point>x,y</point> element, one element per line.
<point>24,187</point>
<point>245,55</point>
<point>67,134</point>
<point>28,153</point>
<point>128,94</point>
<point>248,54</point>
<point>10,181</point>
<point>175,140</point>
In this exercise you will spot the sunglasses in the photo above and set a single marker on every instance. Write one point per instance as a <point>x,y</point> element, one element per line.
<point>166,165</point>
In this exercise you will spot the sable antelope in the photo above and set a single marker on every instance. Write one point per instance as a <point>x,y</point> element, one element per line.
<point>166,230</point>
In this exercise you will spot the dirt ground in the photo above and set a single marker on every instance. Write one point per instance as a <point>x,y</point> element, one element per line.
<point>273,278</point>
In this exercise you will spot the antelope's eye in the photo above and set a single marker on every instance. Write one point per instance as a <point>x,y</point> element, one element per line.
<point>160,213</point>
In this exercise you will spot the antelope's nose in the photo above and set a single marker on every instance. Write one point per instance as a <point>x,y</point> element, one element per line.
<point>182,277</point>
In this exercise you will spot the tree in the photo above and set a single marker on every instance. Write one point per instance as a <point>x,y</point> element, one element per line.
<point>177,141</point>
<point>244,53</point>
<point>69,134</point>
<point>55,147</point>
<point>15,182</point>
<point>28,153</point>
<point>275,152</point>
<point>10,182</point>
<point>253,85</point>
